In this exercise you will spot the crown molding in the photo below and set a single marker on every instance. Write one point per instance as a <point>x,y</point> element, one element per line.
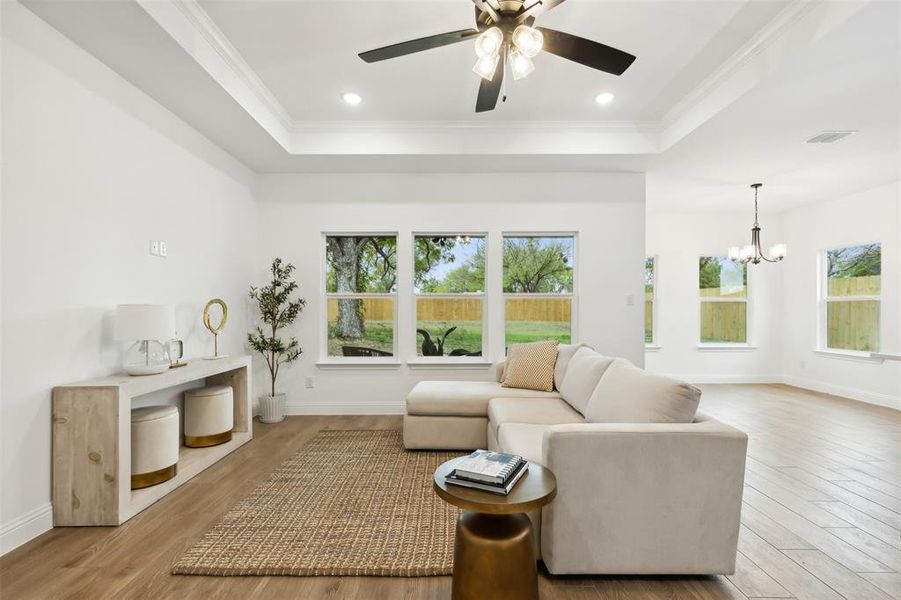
<point>193,29</point>
<point>737,61</point>
<point>230,55</point>
<point>795,28</point>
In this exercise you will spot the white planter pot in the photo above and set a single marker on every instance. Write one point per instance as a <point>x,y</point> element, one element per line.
<point>272,408</point>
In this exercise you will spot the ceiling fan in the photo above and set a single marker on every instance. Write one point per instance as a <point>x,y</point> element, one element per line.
<point>504,35</point>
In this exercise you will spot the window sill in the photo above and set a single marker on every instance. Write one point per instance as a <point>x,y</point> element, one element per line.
<point>852,355</point>
<point>373,363</point>
<point>652,347</point>
<point>448,362</point>
<point>726,347</point>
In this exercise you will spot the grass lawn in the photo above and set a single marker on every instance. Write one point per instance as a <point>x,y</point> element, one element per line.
<point>378,335</point>
<point>520,332</point>
<point>467,336</point>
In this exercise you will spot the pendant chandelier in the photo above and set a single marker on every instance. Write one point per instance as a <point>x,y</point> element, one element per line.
<point>752,253</point>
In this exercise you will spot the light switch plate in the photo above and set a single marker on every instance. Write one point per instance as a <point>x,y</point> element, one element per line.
<point>164,249</point>
<point>154,248</point>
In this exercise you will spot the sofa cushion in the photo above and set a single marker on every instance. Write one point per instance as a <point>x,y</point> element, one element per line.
<point>461,398</point>
<point>531,366</point>
<point>582,376</point>
<point>524,439</point>
<point>627,394</point>
<point>565,352</point>
<point>536,411</point>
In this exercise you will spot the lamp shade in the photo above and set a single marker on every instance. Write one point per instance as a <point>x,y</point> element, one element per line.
<point>143,322</point>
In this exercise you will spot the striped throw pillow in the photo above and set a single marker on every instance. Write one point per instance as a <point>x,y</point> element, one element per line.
<point>531,366</point>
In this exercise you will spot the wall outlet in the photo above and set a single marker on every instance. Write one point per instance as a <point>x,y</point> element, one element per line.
<point>164,249</point>
<point>630,300</point>
<point>308,382</point>
<point>154,248</point>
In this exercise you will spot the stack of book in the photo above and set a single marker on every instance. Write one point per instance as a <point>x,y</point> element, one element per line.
<point>493,472</point>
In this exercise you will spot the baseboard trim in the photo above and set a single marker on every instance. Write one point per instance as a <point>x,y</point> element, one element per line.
<point>729,378</point>
<point>878,399</point>
<point>25,528</point>
<point>344,408</point>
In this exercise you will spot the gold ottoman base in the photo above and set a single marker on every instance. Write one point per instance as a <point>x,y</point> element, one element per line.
<point>493,558</point>
<point>202,441</point>
<point>142,480</point>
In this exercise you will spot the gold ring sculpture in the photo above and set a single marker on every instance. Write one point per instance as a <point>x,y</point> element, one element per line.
<point>209,325</point>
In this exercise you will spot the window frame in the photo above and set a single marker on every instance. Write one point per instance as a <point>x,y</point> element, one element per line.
<point>325,296</point>
<point>572,295</point>
<point>654,344</point>
<point>414,295</point>
<point>823,299</point>
<point>746,299</point>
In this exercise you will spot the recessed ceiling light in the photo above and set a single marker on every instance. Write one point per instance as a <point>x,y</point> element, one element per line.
<point>605,98</point>
<point>352,99</point>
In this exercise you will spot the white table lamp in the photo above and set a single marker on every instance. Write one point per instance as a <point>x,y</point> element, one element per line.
<point>146,325</point>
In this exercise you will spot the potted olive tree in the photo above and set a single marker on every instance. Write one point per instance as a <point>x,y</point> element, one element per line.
<point>277,310</point>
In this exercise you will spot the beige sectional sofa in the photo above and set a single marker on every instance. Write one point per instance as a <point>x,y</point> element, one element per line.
<point>645,484</point>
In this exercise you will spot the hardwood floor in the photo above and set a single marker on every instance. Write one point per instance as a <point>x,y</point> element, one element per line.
<point>821,518</point>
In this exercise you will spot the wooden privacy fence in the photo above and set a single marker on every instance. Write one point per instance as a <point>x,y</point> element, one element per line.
<point>539,309</point>
<point>724,322</point>
<point>465,309</point>
<point>853,325</point>
<point>855,286</point>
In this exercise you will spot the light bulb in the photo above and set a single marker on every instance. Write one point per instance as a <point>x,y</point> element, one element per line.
<point>486,66</point>
<point>778,251</point>
<point>528,39</point>
<point>520,64</point>
<point>746,253</point>
<point>351,98</point>
<point>489,42</point>
<point>734,253</point>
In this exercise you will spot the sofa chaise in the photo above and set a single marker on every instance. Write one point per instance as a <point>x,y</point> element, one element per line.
<point>645,485</point>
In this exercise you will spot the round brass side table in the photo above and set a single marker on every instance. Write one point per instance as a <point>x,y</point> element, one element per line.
<point>493,553</point>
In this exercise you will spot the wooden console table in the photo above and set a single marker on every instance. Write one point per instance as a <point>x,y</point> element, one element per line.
<point>92,440</point>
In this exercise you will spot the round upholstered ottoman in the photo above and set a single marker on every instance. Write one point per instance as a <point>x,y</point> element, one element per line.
<point>154,445</point>
<point>209,416</point>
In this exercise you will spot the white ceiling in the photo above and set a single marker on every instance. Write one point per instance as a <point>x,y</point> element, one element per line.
<point>723,93</point>
<point>850,80</point>
<point>306,54</point>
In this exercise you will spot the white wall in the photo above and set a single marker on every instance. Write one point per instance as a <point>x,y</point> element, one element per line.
<point>678,240</point>
<point>606,211</point>
<point>870,216</point>
<point>93,170</point>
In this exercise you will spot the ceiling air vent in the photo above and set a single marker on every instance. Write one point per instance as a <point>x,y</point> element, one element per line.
<point>828,137</point>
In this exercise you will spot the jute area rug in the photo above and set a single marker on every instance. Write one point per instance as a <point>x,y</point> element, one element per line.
<point>349,503</point>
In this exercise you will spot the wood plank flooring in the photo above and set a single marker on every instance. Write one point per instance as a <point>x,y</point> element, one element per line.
<point>821,518</point>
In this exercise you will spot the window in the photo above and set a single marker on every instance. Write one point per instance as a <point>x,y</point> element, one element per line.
<point>650,298</point>
<point>449,290</point>
<point>360,290</point>
<point>538,288</point>
<point>723,285</point>
<point>852,297</point>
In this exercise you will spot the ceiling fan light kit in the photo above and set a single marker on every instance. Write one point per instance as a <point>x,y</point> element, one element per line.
<point>505,35</point>
<point>753,253</point>
<point>520,64</point>
<point>486,66</point>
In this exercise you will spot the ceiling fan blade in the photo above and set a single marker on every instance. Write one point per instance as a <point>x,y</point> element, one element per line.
<point>418,45</point>
<point>490,90</point>
<point>586,52</point>
<point>538,7</point>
